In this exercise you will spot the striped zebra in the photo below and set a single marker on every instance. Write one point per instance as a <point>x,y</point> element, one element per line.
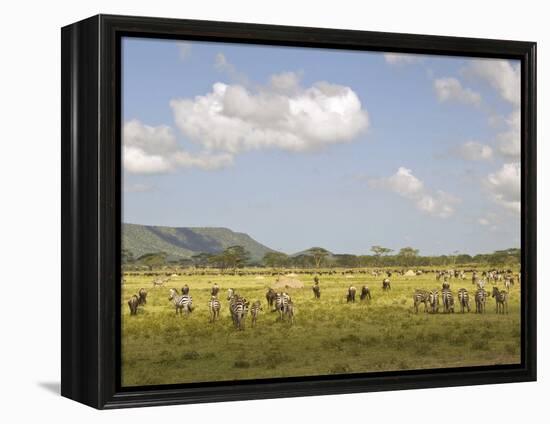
<point>481,284</point>
<point>351,294</point>
<point>365,293</point>
<point>421,296</point>
<point>255,311</point>
<point>133,304</point>
<point>448,301</point>
<point>508,282</point>
<point>481,299</point>
<point>463,300</point>
<point>386,284</point>
<point>281,304</point>
<point>142,295</point>
<point>183,303</point>
<point>474,278</point>
<point>159,282</point>
<point>289,311</point>
<point>214,307</point>
<point>238,306</point>
<point>433,300</point>
<point>501,300</point>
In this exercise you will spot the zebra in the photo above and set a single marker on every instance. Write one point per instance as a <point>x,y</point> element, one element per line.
<point>255,311</point>
<point>281,302</point>
<point>238,307</point>
<point>448,300</point>
<point>159,282</point>
<point>289,311</point>
<point>351,294</point>
<point>463,300</point>
<point>183,303</point>
<point>142,296</point>
<point>508,282</point>
<point>481,298</point>
<point>481,284</point>
<point>316,290</point>
<point>433,299</point>
<point>185,289</point>
<point>214,307</point>
<point>365,293</point>
<point>270,296</point>
<point>501,300</point>
<point>133,304</point>
<point>386,285</point>
<point>474,278</point>
<point>421,296</point>
<point>215,289</point>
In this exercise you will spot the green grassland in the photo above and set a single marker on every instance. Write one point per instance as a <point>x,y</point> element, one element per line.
<point>329,336</point>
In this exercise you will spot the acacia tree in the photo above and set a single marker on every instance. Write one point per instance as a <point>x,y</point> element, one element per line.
<point>318,254</point>
<point>380,251</point>
<point>408,255</point>
<point>152,260</point>
<point>275,259</point>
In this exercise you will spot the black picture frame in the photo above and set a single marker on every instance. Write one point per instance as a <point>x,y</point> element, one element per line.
<point>91,209</point>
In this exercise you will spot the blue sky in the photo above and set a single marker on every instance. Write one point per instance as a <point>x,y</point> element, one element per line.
<point>313,147</point>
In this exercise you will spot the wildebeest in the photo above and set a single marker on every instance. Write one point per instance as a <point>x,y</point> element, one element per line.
<point>270,296</point>
<point>142,296</point>
<point>185,289</point>
<point>386,284</point>
<point>316,290</point>
<point>446,285</point>
<point>365,293</point>
<point>351,294</point>
<point>215,289</point>
<point>133,304</point>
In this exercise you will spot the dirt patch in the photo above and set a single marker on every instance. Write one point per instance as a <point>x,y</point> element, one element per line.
<point>288,282</point>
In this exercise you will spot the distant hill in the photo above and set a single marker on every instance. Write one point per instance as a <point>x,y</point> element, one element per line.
<point>184,242</point>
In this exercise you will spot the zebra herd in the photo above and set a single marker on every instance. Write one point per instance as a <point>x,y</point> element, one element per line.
<point>281,302</point>
<point>430,299</point>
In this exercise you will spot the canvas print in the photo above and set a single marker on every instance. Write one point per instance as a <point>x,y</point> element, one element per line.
<point>300,212</point>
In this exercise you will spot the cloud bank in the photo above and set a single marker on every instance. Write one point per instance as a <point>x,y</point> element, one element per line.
<point>405,184</point>
<point>451,90</point>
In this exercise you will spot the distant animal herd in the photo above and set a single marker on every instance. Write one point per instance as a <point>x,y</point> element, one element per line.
<point>282,303</point>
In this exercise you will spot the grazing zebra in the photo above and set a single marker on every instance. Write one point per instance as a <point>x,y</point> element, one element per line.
<point>351,294</point>
<point>474,278</point>
<point>386,285</point>
<point>501,300</point>
<point>508,282</point>
<point>183,303</point>
<point>421,296</point>
<point>316,290</point>
<point>463,300</point>
<point>238,307</point>
<point>185,289</point>
<point>215,289</point>
<point>481,298</point>
<point>133,304</point>
<point>255,311</point>
<point>142,296</point>
<point>446,285</point>
<point>481,284</point>
<point>448,301</point>
<point>365,293</point>
<point>281,303</point>
<point>433,299</point>
<point>159,282</point>
<point>214,307</point>
<point>270,296</point>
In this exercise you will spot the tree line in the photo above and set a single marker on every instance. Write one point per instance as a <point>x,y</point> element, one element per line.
<point>235,257</point>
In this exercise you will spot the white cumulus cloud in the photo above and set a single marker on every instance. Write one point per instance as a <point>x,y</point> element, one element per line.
<point>472,150</point>
<point>502,75</point>
<point>436,203</point>
<point>505,186</point>
<point>450,89</point>
<point>233,118</point>
<point>154,150</point>
<point>401,58</point>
